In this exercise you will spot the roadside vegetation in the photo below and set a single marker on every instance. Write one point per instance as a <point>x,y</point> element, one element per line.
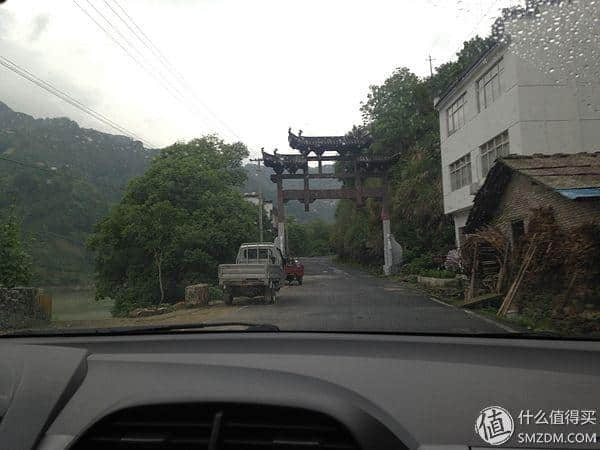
<point>309,239</point>
<point>174,225</point>
<point>400,116</point>
<point>15,260</point>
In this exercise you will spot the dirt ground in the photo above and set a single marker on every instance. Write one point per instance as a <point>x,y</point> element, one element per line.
<point>183,316</point>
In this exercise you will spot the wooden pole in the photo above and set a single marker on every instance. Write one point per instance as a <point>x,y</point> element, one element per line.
<point>512,292</point>
<point>471,290</point>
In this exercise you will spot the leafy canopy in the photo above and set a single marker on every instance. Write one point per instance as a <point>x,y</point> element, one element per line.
<point>15,262</point>
<point>401,117</point>
<point>175,224</point>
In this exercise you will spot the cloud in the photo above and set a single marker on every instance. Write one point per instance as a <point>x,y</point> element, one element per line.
<point>7,21</point>
<point>40,23</point>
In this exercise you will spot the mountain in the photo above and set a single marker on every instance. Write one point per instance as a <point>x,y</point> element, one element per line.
<point>320,209</point>
<point>60,179</point>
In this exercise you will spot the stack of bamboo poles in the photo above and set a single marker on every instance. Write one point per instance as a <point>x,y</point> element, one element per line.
<point>514,288</point>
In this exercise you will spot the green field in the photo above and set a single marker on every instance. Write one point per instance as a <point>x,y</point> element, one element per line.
<point>70,305</point>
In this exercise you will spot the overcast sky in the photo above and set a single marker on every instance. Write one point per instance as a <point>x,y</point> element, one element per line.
<point>258,66</point>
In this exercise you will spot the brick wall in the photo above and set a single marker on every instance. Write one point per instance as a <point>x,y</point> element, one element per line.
<point>522,195</point>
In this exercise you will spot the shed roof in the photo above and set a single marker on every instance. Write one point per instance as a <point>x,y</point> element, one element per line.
<point>559,171</point>
<point>574,176</point>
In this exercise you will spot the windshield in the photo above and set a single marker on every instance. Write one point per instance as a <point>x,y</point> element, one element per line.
<point>422,167</point>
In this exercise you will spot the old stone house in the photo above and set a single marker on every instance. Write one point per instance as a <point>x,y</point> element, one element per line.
<point>519,184</point>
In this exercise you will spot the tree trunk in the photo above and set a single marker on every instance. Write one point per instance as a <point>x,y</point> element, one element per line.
<point>158,259</point>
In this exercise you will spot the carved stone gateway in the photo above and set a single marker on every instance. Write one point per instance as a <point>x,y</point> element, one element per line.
<point>356,167</point>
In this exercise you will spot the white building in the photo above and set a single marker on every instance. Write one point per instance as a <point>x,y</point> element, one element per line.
<point>517,98</point>
<point>254,198</point>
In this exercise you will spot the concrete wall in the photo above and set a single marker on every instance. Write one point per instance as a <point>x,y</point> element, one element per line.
<point>19,308</point>
<point>479,128</point>
<point>522,195</point>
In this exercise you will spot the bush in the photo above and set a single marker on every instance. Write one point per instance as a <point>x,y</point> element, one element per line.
<point>419,264</point>
<point>438,273</point>
<point>214,293</point>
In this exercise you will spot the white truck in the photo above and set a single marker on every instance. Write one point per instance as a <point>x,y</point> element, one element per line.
<point>258,271</point>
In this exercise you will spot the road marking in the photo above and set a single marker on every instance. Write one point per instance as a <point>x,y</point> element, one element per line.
<point>491,321</point>
<point>442,303</point>
<point>477,316</point>
<point>243,307</point>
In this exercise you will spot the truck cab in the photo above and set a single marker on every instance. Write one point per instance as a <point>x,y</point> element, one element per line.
<point>254,253</point>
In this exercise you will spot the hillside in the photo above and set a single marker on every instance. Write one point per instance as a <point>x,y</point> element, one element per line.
<point>320,209</point>
<point>60,179</point>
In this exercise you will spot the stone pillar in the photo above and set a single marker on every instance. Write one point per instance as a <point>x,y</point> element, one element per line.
<point>281,237</point>
<point>388,260</point>
<point>281,218</point>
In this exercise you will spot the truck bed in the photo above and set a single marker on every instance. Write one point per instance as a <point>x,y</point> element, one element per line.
<point>248,273</point>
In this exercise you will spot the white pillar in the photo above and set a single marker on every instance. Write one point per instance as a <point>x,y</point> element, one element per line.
<point>281,237</point>
<point>388,259</point>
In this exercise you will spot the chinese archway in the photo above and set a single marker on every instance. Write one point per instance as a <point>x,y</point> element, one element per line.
<point>356,167</point>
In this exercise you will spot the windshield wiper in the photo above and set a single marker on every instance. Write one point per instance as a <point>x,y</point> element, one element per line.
<point>148,329</point>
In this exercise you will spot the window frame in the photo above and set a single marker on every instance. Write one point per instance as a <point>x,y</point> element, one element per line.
<point>461,173</point>
<point>491,78</point>
<point>488,151</point>
<point>456,110</point>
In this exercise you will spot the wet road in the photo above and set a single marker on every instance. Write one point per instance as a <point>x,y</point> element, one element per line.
<point>344,299</point>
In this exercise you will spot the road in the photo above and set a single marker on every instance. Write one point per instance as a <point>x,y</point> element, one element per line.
<point>344,299</point>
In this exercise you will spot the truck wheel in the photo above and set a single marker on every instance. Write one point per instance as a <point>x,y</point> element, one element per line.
<point>270,293</point>
<point>300,281</point>
<point>227,297</point>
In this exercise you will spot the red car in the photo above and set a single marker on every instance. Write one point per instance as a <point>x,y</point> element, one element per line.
<point>294,270</point>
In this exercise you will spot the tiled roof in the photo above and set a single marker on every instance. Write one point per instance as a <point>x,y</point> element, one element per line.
<point>574,176</point>
<point>559,171</point>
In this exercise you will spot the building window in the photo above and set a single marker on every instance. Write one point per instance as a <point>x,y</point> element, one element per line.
<point>493,149</point>
<point>456,114</point>
<point>460,172</point>
<point>489,86</point>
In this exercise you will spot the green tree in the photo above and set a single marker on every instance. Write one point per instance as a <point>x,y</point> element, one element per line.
<point>297,238</point>
<point>401,118</point>
<point>399,113</point>
<point>309,239</point>
<point>175,224</point>
<point>448,73</point>
<point>15,262</point>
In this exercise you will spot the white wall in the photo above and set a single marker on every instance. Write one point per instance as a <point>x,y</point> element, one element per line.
<point>460,220</point>
<point>547,105</point>
<point>479,128</point>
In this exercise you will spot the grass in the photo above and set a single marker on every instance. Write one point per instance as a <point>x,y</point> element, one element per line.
<point>75,305</point>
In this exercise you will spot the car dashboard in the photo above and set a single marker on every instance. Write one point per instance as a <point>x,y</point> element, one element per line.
<point>282,390</point>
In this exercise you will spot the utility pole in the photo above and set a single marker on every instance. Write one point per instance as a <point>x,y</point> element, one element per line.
<point>430,65</point>
<point>260,202</point>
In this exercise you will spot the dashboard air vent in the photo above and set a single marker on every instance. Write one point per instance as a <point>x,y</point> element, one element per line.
<point>217,426</point>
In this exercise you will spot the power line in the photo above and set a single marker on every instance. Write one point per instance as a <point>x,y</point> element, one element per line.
<point>14,67</point>
<point>172,90</point>
<point>146,66</point>
<point>24,73</point>
<point>116,41</point>
<point>147,42</point>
